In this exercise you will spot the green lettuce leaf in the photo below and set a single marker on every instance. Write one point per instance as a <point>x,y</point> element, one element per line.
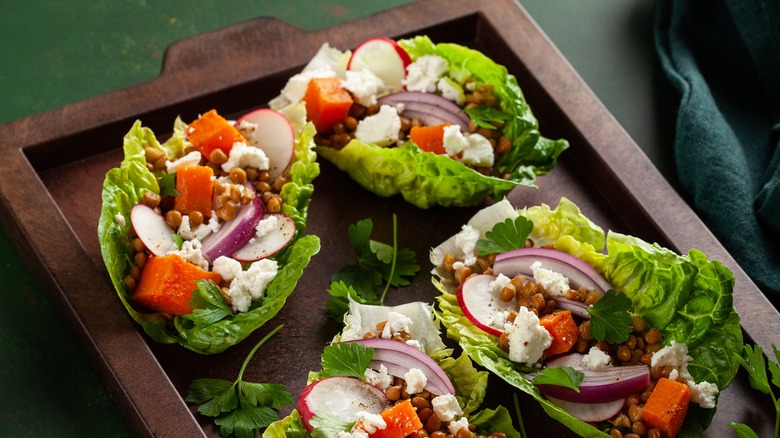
<point>686,296</point>
<point>201,331</point>
<point>426,179</point>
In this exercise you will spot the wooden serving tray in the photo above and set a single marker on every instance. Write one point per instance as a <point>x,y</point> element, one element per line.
<point>54,164</point>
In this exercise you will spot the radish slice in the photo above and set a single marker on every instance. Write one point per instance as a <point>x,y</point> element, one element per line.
<point>235,234</point>
<point>482,305</point>
<point>573,360</point>
<point>270,243</point>
<point>417,101</point>
<point>590,412</point>
<point>152,229</point>
<point>384,58</point>
<point>579,273</point>
<point>407,357</point>
<point>274,135</point>
<point>603,385</point>
<point>341,398</point>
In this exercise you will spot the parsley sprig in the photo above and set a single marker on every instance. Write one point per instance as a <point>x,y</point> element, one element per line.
<point>561,376</point>
<point>240,407</point>
<point>486,116</point>
<point>506,236</point>
<point>610,318</point>
<point>754,363</point>
<point>377,264</point>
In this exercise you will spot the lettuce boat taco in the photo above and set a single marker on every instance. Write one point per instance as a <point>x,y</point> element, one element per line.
<point>204,235</point>
<point>439,124</point>
<point>388,374</point>
<point>635,338</point>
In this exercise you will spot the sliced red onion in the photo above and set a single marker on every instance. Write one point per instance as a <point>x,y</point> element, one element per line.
<point>410,97</point>
<point>236,233</point>
<point>579,273</point>
<point>590,412</point>
<point>403,357</point>
<point>577,308</point>
<point>603,385</point>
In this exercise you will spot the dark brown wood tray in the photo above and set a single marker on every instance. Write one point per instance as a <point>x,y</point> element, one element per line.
<point>54,164</point>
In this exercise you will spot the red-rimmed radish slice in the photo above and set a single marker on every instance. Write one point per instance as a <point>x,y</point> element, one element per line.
<point>384,58</point>
<point>274,135</point>
<point>590,412</point>
<point>269,244</point>
<point>414,100</point>
<point>399,358</point>
<point>236,233</point>
<point>152,229</point>
<point>579,273</point>
<point>340,398</point>
<point>603,385</point>
<point>482,304</point>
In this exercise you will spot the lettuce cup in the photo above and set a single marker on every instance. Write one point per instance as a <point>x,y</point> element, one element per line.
<point>389,374</point>
<point>439,124</point>
<point>204,235</point>
<point>636,338</point>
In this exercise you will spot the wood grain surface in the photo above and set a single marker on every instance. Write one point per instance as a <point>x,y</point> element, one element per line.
<point>51,179</point>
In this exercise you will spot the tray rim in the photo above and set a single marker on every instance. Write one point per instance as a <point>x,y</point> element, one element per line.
<point>610,141</point>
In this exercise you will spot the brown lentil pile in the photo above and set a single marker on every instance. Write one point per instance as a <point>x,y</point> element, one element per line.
<point>433,426</point>
<point>636,350</point>
<point>475,96</point>
<point>228,199</point>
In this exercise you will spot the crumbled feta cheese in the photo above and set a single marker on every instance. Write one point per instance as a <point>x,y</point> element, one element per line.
<point>191,159</point>
<point>424,73</point>
<point>416,344</point>
<point>243,155</point>
<point>355,433</point>
<point>527,338</point>
<point>495,286</point>
<point>226,267</point>
<point>214,224</point>
<point>250,284</point>
<point>185,229</point>
<point>191,252</point>
<point>451,90</point>
<point>455,426</point>
<point>454,140</point>
<point>120,220</point>
<point>364,85</point>
<point>378,379</point>
<point>369,422</point>
<point>266,225</point>
<point>554,283</point>
<point>676,355</point>
<point>596,359</point>
<point>446,407</point>
<point>381,128</point>
<point>415,381</point>
<point>466,241</point>
<point>479,151</point>
<point>396,323</point>
<point>329,58</point>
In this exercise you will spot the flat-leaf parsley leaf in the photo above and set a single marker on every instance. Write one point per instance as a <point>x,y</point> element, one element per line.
<point>239,408</point>
<point>610,318</point>
<point>506,236</point>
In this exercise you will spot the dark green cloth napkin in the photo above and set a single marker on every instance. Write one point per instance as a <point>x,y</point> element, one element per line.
<point>723,56</point>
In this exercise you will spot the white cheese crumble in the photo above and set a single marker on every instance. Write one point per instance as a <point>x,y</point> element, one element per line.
<point>415,381</point>
<point>396,323</point>
<point>466,241</point>
<point>455,426</point>
<point>554,283</point>
<point>416,344</point>
<point>378,379</point>
<point>357,433</point>
<point>266,225</point>
<point>243,155</point>
<point>250,284</point>
<point>454,140</point>
<point>200,232</point>
<point>424,73</point>
<point>369,422</point>
<point>527,338</point>
<point>296,86</point>
<point>191,159</point>
<point>596,359</point>
<point>479,151</point>
<point>226,267</point>
<point>446,407</point>
<point>364,85</point>
<point>191,252</point>
<point>381,128</point>
<point>676,355</point>
<point>451,90</point>
<point>120,220</point>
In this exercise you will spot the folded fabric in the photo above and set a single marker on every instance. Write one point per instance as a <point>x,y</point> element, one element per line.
<point>723,56</point>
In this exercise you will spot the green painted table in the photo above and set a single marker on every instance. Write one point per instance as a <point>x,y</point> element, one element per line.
<point>55,53</point>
